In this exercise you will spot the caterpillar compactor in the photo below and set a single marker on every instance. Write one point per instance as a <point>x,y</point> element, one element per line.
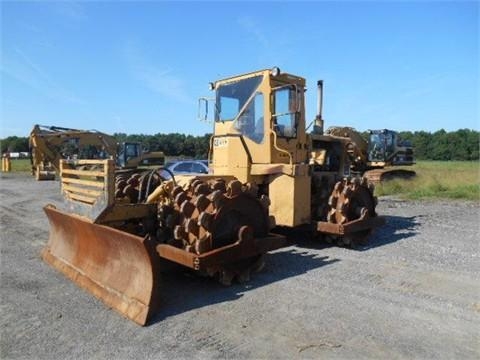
<point>115,230</point>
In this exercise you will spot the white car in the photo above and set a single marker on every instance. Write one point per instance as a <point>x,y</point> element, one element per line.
<point>186,167</point>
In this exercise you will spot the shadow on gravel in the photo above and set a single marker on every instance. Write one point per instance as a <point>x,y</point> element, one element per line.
<point>396,228</point>
<point>182,291</point>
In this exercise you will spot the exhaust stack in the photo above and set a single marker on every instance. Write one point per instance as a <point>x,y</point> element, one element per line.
<point>318,123</point>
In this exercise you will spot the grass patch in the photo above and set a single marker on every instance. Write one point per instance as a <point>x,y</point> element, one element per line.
<point>437,179</point>
<point>21,165</point>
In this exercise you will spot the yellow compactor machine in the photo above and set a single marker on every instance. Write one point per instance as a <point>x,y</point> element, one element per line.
<point>115,230</point>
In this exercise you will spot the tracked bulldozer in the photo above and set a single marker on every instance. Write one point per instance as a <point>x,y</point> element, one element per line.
<point>383,157</point>
<point>115,230</point>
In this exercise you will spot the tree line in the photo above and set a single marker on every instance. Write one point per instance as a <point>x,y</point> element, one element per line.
<point>173,144</point>
<point>462,144</point>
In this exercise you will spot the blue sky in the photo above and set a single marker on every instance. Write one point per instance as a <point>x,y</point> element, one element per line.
<point>140,67</point>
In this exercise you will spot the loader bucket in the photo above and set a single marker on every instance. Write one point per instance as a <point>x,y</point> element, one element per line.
<point>119,268</point>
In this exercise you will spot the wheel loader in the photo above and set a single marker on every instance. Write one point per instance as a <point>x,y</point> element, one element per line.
<point>50,144</point>
<point>379,158</point>
<point>116,231</point>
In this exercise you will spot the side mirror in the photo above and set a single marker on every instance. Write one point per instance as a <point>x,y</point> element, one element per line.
<point>203,113</point>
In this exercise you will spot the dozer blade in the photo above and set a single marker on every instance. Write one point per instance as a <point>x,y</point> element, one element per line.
<point>119,268</point>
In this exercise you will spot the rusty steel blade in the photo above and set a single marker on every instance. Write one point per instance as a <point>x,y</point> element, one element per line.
<point>119,268</point>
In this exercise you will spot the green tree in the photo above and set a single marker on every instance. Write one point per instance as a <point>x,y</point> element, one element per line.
<point>473,144</point>
<point>422,145</point>
<point>14,144</point>
<point>440,146</point>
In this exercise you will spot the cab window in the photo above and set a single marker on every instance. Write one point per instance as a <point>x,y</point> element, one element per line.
<point>250,122</point>
<point>285,111</point>
<point>231,97</point>
<point>131,150</point>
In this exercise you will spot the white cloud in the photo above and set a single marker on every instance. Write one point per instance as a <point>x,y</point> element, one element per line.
<point>251,27</point>
<point>72,10</point>
<point>157,78</point>
<point>271,51</point>
<point>22,68</point>
<point>36,34</point>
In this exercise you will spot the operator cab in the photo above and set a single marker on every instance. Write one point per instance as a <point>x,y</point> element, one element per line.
<point>258,121</point>
<point>128,151</point>
<point>381,145</point>
<point>243,103</point>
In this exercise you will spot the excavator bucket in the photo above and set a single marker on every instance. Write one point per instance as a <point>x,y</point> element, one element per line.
<point>119,268</point>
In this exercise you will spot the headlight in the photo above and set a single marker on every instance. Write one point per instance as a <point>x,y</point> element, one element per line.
<point>275,71</point>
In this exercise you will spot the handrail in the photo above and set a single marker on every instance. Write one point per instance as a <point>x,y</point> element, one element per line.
<point>279,149</point>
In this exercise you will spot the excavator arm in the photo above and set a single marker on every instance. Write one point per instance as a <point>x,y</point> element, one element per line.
<point>50,144</point>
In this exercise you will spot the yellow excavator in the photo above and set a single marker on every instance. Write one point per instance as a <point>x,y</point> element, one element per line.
<point>50,144</point>
<point>381,158</point>
<point>269,175</point>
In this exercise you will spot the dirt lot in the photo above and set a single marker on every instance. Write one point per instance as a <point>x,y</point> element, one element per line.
<point>414,292</point>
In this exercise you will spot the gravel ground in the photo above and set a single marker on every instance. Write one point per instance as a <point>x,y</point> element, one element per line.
<point>414,292</point>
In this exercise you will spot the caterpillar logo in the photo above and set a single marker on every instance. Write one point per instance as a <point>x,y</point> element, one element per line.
<point>220,142</point>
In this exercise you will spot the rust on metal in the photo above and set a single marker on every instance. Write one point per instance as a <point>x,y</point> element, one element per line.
<point>351,227</point>
<point>352,215</point>
<point>216,227</point>
<point>207,215</point>
<point>245,247</point>
<point>119,268</point>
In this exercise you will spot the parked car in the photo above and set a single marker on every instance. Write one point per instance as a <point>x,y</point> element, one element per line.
<point>186,167</point>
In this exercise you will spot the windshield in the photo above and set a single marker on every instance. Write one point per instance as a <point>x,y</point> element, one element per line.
<point>376,147</point>
<point>232,97</point>
<point>381,146</point>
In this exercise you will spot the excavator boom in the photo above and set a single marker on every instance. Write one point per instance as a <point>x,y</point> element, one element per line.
<point>50,144</point>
